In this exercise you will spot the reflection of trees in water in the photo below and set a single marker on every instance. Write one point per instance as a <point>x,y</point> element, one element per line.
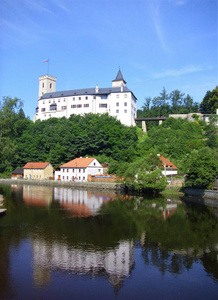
<point>166,261</point>
<point>210,263</point>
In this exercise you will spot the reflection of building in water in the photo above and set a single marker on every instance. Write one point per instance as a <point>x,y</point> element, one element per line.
<point>37,195</point>
<point>169,210</point>
<point>81,202</point>
<point>115,263</point>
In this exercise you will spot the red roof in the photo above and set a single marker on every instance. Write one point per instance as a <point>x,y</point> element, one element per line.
<point>78,163</point>
<point>36,165</point>
<point>167,163</point>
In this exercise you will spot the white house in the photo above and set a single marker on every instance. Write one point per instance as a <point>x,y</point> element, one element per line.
<point>168,167</point>
<point>118,101</point>
<point>78,169</point>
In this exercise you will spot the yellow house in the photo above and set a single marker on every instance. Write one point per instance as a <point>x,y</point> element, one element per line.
<point>38,170</point>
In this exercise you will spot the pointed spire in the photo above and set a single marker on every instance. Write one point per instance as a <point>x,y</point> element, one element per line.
<point>118,81</point>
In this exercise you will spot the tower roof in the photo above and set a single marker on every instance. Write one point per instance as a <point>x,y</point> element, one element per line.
<point>119,77</point>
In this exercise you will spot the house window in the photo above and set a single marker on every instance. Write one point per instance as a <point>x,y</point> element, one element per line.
<point>103,105</point>
<point>73,170</point>
<point>67,177</point>
<point>79,170</point>
<point>117,111</point>
<point>63,177</point>
<point>83,170</point>
<point>63,170</point>
<point>83,178</point>
<point>67,170</point>
<point>125,103</point>
<point>58,100</point>
<point>79,177</point>
<point>117,104</point>
<point>86,105</point>
<point>94,164</point>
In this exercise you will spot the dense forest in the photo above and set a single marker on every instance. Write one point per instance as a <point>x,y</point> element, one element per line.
<point>192,146</point>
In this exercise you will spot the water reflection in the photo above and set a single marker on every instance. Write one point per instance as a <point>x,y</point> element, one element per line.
<point>115,263</point>
<point>51,233</point>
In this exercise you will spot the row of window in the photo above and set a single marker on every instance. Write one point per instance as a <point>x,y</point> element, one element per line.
<point>118,103</point>
<point>73,178</point>
<point>125,111</point>
<point>86,98</point>
<point>80,170</point>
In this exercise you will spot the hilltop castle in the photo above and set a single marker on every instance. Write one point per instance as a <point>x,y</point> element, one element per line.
<point>118,101</point>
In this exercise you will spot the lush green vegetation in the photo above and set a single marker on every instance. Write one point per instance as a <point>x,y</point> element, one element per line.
<point>131,154</point>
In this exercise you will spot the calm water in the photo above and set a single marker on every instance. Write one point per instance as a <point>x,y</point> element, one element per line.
<point>59,243</point>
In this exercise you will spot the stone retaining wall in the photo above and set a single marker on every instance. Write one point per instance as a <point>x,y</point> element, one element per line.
<point>202,193</point>
<point>83,185</point>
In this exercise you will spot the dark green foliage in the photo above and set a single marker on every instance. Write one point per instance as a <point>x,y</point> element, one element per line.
<point>145,174</point>
<point>210,102</point>
<point>61,140</point>
<point>174,139</point>
<point>203,169</point>
<point>165,104</point>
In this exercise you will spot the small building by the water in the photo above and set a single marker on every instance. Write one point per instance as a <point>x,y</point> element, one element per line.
<point>78,169</point>
<point>38,170</point>
<point>17,173</point>
<point>168,167</point>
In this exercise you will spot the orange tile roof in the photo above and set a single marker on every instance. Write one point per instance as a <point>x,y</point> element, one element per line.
<point>169,164</point>
<point>36,165</point>
<point>78,163</point>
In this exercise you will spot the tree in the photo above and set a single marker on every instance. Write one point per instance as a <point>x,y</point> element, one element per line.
<point>210,102</point>
<point>203,169</point>
<point>145,174</point>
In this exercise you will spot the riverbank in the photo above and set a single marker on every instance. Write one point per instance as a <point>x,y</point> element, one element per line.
<point>116,187</point>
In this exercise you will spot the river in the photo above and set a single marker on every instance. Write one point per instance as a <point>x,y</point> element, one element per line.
<point>63,243</point>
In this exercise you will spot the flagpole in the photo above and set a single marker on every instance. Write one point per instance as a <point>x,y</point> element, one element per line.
<point>48,66</point>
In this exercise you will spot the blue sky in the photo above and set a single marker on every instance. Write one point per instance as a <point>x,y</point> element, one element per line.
<point>156,43</point>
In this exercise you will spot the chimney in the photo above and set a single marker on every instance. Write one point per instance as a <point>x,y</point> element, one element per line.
<point>96,88</point>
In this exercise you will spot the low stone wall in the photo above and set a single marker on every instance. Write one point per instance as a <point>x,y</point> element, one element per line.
<point>202,193</point>
<point>77,185</point>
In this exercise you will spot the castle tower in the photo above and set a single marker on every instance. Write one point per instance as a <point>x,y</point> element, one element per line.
<point>119,81</point>
<point>47,84</point>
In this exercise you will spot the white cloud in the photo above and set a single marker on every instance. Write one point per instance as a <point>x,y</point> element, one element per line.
<point>180,72</point>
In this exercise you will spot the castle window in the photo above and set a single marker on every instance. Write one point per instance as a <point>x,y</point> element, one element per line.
<point>73,106</point>
<point>125,96</point>
<point>125,103</point>
<point>86,98</point>
<point>73,98</point>
<point>117,111</point>
<point>42,109</point>
<point>63,107</point>
<point>118,95</point>
<point>86,105</point>
<point>79,105</point>
<point>125,111</point>
<point>43,85</point>
<point>79,98</point>
<point>103,105</point>
<point>94,97</point>
<point>50,85</point>
<point>58,100</point>
<point>117,104</point>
